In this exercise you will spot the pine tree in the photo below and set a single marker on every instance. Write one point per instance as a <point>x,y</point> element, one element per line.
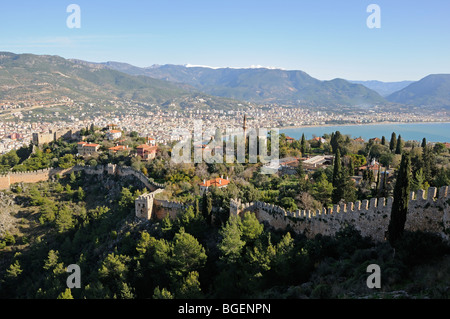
<point>418,180</point>
<point>162,294</point>
<point>322,190</point>
<point>251,227</point>
<point>67,294</point>
<point>393,143</point>
<point>14,270</point>
<point>190,288</point>
<point>401,198</point>
<point>347,187</point>
<point>231,245</point>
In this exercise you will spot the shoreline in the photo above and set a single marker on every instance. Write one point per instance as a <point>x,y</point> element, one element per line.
<point>361,124</point>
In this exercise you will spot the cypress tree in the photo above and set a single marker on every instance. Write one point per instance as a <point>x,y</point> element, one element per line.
<point>398,149</point>
<point>393,143</point>
<point>337,178</point>
<point>336,142</point>
<point>303,145</point>
<point>207,207</point>
<point>351,167</point>
<point>424,142</point>
<point>400,205</point>
<point>383,140</point>
<point>337,169</point>
<point>377,187</point>
<point>428,163</point>
<point>196,208</point>
<point>384,183</point>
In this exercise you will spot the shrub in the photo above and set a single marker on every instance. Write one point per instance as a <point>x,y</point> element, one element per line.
<point>416,248</point>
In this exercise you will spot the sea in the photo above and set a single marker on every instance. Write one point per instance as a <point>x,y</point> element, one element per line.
<point>433,132</point>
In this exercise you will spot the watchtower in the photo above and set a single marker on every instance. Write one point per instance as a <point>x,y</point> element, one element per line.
<point>144,206</point>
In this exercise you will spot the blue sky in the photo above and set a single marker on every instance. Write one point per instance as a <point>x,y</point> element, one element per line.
<point>327,39</point>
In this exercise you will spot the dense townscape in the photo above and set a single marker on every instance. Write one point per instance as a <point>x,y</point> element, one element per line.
<point>165,125</point>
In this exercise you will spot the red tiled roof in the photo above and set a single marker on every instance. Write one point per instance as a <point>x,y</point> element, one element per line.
<point>218,182</point>
<point>118,148</point>
<point>91,145</point>
<point>146,146</point>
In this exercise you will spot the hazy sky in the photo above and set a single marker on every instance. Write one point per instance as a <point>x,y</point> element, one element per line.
<point>327,39</point>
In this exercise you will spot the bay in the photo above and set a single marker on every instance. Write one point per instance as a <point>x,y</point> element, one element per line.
<point>433,132</point>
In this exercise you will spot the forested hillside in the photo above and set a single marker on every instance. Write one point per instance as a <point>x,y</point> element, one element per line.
<point>89,221</point>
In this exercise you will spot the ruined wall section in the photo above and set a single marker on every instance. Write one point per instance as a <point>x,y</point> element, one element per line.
<point>31,177</point>
<point>164,207</point>
<point>45,174</point>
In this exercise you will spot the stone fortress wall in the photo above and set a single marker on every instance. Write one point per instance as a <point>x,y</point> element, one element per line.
<point>45,174</point>
<point>29,177</point>
<point>371,218</point>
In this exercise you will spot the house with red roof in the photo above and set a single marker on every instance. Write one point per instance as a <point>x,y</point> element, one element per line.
<point>289,139</point>
<point>87,149</point>
<point>117,148</point>
<point>113,134</point>
<point>146,152</point>
<point>218,182</point>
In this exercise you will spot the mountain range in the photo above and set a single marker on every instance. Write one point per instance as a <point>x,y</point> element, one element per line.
<point>384,88</point>
<point>261,85</point>
<point>28,77</point>
<point>268,85</point>
<point>43,77</point>
<point>433,91</point>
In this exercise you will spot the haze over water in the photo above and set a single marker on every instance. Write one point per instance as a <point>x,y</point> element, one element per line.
<point>433,132</point>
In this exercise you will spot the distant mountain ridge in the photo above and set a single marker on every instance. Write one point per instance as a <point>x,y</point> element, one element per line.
<point>431,91</point>
<point>45,77</point>
<point>260,85</point>
<point>384,88</point>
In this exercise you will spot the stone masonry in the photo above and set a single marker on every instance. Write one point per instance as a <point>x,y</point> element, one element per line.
<point>371,218</point>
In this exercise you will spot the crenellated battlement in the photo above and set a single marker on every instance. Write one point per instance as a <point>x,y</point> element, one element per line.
<point>428,210</point>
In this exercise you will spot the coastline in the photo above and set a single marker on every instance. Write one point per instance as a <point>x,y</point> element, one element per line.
<point>362,124</point>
